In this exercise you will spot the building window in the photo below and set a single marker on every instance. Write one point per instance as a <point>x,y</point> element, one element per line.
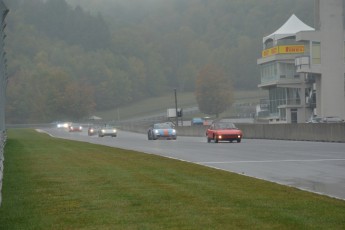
<point>269,44</point>
<point>316,52</point>
<point>288,41</point>
<point>293,96</point>
<point>294,118</point>
<point>283,96</point>
<point>268,72</point>
<point>282,114</point>
<point>277,97</point>
<point>287,70</point>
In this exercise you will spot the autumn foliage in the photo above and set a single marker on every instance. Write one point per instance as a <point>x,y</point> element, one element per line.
<point>213,92</point>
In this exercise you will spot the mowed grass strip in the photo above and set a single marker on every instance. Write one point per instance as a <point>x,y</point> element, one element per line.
<point>52,183</point>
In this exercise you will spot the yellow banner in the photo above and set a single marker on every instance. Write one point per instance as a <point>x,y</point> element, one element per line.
<point>283,50</point>
<point>269,52</point>
<point>291,49</point>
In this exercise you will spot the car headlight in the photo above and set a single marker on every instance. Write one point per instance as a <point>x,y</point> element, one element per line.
<point>102,130</point>
<point>174,131</point>
<point>239,136</point>
<point>220,137</point>
<point>114,130</point>
<point>156,131</point>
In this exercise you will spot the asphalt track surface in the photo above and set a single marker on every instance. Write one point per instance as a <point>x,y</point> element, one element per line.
<point>317,167</point>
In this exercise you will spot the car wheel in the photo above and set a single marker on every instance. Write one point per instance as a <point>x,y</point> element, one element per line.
<point>238,140</point>
<point>149,136</point>
<point>208,140</point>
<point>215,139</point>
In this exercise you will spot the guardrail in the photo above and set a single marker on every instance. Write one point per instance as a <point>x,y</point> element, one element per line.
<point>3,83</point>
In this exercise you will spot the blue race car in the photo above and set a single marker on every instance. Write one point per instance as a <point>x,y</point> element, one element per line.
<point>161,131</point>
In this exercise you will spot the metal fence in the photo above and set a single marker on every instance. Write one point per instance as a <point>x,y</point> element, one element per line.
<point>3,84</point>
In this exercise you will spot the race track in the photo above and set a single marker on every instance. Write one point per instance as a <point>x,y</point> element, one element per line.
<point>318,167</point>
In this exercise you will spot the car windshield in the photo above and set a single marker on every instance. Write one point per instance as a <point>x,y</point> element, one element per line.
<point>162,126</point>
<point>223,125</point>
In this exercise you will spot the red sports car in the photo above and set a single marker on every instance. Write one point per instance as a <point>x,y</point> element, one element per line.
<point>223,131</point>
<point>75,128</point>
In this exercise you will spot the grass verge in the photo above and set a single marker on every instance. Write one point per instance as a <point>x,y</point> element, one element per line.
<point>59,184</point>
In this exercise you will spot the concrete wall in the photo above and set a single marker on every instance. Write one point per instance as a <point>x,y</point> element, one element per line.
<point>301,132</point>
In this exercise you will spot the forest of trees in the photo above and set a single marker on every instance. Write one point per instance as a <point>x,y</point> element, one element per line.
<point>68,58</point>
<point>213,91</point>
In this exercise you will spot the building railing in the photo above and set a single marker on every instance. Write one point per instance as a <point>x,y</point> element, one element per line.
<point>275,79</point>
<point>302,63</point>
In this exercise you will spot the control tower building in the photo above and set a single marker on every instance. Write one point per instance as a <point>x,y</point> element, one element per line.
<point>303,68</point>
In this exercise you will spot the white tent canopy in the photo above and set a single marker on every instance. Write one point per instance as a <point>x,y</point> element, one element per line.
<point>292,26</point>
<point>95,118</point>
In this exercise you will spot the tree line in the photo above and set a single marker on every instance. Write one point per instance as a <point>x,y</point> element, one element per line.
<point>68,58</point>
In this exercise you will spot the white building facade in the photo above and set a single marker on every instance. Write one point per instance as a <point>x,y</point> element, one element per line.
<point>303,68</point>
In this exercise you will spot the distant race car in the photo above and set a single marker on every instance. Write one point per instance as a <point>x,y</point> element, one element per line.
<point>107,130</point>
<point>75,128</point>
<point>315,120</point>
<point>332,119</point>
<point>65,125</point>
<point>161,131</point>
<point>197,121</point>
<point>223,131</point>
<point>92,131</point>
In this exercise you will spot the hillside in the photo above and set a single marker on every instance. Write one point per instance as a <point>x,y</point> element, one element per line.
<point>68,59</point>
<point>244,105</point>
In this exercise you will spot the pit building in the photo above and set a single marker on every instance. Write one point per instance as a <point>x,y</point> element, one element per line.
<point>303,67</point>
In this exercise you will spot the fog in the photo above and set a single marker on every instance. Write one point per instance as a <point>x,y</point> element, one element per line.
<point>101,55</point>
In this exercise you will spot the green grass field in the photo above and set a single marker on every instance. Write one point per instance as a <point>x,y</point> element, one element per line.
<point>59,184</point>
